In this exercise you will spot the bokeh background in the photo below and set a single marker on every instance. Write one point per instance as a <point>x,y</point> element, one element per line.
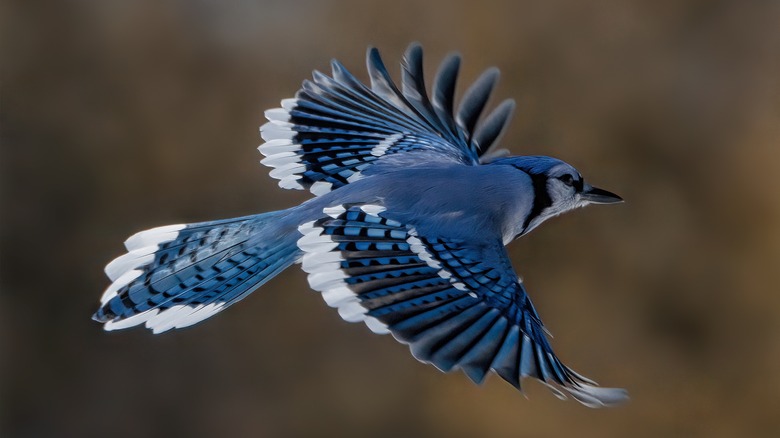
<point>122,115</point>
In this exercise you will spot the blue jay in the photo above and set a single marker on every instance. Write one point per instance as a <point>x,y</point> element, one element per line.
<point>406,232</point>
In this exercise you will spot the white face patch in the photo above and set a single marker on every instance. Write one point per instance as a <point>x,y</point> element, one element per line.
<point>563,197</point>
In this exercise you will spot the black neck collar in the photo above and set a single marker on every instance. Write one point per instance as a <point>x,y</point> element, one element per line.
<point>541,198</point>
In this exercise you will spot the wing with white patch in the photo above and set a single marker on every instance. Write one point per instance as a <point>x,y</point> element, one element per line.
<point>459,305</point>
<point>336,127</point>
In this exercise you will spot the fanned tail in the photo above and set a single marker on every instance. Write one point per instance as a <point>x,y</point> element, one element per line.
<point>177,275</point>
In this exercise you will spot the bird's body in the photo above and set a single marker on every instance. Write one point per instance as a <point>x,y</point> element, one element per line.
<point>406,232</point>
<point>449,199</point>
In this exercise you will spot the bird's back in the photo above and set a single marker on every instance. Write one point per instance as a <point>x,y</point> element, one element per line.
<point>460,199</point>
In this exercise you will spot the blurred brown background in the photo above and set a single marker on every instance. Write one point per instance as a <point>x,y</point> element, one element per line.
<point>119,116</point>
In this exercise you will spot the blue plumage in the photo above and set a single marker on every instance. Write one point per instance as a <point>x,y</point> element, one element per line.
<point>406,233</point>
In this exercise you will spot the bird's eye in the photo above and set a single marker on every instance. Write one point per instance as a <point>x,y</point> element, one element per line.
<point>567,179</point>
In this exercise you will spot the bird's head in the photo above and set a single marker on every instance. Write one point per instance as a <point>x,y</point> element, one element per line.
<point>558,188</point>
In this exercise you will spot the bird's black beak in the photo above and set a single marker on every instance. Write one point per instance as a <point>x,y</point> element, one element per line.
<point>595,195</point>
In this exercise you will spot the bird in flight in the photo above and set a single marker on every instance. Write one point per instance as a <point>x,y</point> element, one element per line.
<point>406,232</point>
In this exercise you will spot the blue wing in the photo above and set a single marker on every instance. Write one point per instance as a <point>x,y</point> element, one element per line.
<point>336,127</point>
<point>459,305</point>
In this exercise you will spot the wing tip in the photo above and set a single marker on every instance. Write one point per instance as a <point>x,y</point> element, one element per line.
<point>414,50</point>
<point>594,396</point>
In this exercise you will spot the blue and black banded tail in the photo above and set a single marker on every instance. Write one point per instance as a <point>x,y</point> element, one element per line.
<point>178,275</point>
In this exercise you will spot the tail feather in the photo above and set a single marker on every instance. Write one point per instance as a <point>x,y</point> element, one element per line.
<point>178,275</point>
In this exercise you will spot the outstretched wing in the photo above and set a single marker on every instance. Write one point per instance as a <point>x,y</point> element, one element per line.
<point>336,127</point>
<point>458,304</point>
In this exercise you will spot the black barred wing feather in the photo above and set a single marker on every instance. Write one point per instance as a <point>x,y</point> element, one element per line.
<point>457,304</point>
<point>336,127</point>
